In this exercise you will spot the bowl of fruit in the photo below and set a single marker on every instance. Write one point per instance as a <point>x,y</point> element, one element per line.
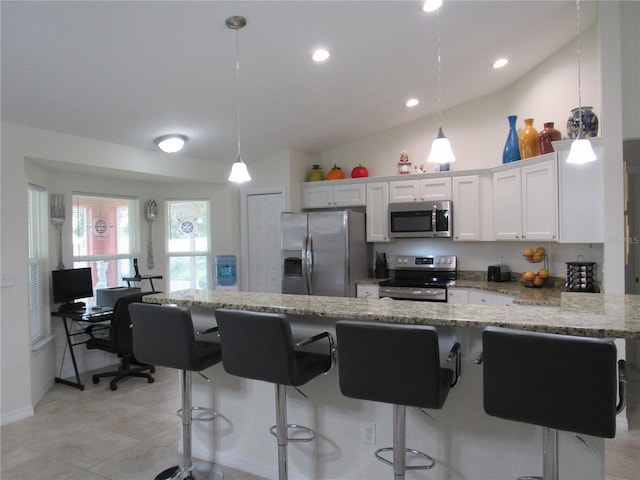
<point>535,280</point>
<point>535,256</point>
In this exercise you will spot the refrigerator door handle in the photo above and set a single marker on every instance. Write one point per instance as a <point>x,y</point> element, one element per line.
<point>305,264</point>
<point>310,266</point>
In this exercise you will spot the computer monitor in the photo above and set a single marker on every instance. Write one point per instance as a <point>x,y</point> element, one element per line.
<point>71,285</point>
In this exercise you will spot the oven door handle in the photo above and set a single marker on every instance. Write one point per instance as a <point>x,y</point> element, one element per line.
<point>417,293</point>
<point>434,220</point>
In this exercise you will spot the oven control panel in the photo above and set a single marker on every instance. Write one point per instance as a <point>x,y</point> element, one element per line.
<point>440,262</point>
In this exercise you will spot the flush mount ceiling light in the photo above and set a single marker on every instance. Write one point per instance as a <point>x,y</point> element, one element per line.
<point>581,150</point>
<point>171,143</point>
<point>239,172</point>
<point>412,102</point>
<point>499,63</point>
<point>320,55</point>
<point>441,152</point>
<point>431,5</point>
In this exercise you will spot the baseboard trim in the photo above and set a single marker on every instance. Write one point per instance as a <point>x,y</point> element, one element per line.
<point>16,415</point>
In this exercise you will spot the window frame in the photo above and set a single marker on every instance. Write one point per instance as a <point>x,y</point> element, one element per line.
<point>133,218</point>
<point>207,253</point>
<point>38,258</point>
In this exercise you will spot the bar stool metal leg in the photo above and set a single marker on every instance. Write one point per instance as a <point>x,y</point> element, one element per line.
<point>281,430</point>
<point>399,441</point>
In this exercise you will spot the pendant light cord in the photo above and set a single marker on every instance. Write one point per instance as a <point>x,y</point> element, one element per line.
<point>439,70</point>
<point>238,86</point>
<point>579,69</point>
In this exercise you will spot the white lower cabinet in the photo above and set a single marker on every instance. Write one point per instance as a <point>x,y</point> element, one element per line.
<point>458,296</point>
<point>472,296</point>
<point>364,290</point>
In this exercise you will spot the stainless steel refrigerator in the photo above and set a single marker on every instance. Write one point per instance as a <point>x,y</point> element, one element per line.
<point>324,253</point>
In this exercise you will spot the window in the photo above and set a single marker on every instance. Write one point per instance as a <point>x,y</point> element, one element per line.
<point>188,243</point>
<point>37,229</point>
<point>104,233</point>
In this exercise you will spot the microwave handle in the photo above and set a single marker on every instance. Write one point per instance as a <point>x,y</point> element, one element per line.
<point>434,216</point>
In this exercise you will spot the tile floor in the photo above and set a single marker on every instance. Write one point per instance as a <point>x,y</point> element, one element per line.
<point>99,434</point>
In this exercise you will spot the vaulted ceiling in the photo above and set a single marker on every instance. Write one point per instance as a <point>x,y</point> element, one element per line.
<point>127,72</point>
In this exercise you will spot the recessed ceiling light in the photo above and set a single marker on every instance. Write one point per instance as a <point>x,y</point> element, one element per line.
<point>501,62</point>
<point>171,143</point>
<point>431,5</point>
<point>412,102</point>
<point>320,55</point>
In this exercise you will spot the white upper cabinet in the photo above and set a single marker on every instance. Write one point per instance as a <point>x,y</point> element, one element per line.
<point>326,195</point>
<point>426,189</point>
<point>466,207</point>
<point>378,212</point>
<point>507,205</point>
<point>581,190</point>
<point>525,201</point>
<point>540,202</point>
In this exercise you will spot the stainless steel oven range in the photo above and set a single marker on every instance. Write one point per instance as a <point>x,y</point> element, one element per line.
<point>423,278</point>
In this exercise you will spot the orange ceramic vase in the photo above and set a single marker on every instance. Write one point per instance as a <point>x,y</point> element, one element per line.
<point>529,143</point>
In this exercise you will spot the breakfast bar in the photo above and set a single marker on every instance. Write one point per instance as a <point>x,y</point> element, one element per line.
<point>465,442</point>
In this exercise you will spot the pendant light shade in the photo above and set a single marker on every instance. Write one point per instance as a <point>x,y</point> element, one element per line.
<point>239,172</point>
<point>441,152</point>
<point>581,150</point>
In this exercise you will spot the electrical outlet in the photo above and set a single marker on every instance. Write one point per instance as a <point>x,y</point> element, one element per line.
<point>369,433</point>
<point>8,279</point>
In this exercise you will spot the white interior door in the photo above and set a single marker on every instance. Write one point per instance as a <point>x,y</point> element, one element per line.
<point>263,241</point>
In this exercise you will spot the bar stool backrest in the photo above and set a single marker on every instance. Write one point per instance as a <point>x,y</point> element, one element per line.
<point>258,346</point>
<point>164,335</point>
<point>391,363</point>
<point>555,381</point>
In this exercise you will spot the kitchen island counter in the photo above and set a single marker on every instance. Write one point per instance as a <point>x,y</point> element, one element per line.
<point>584,314</point>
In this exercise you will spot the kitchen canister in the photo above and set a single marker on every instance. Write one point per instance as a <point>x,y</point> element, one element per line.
<point>581,276</point>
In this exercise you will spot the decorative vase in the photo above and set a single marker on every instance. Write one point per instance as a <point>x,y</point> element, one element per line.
<point>589,123</point>
<point>315,174</point>
<point>546,136</point>
<point>529,144</point>
<point>511,151</point>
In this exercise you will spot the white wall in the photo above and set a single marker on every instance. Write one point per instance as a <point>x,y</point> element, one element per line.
<point>26,375</point>
<point>478,129</point>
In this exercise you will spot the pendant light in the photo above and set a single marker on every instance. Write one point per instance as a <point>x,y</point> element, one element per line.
<point>441,147</point>
<point>239,172</point>
<point>581,150</point>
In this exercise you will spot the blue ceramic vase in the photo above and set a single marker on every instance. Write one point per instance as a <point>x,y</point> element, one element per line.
<point>589,123</point>
<point>511,151</point>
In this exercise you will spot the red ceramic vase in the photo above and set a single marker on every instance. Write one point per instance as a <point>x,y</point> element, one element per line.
<point>546,136</point>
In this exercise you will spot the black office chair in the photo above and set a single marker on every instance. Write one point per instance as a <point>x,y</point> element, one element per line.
<point>260,346</point>
<point>164,335</point>
<point>397,364</point>
<point>559,382</point>
<point>119,342</point>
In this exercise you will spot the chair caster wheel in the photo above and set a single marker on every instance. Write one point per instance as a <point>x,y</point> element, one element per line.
<point>96,380</point>
<point>113,386</point>
<point>152,370</point>
<point>151,380</point>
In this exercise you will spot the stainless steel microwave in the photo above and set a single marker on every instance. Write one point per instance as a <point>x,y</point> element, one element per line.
<point>421,219</point>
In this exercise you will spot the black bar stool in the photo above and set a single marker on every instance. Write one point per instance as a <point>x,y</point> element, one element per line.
<point>163,335</point>
<point>559,382</point>
<point>260,346</point>
<point>397,364</point>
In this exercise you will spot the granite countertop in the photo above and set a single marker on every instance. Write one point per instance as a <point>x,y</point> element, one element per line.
<point>545,296</point>
<point>584,314</point>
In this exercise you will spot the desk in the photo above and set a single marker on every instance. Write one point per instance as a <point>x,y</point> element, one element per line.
<point>151,278</point>
<point>84,315</point>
